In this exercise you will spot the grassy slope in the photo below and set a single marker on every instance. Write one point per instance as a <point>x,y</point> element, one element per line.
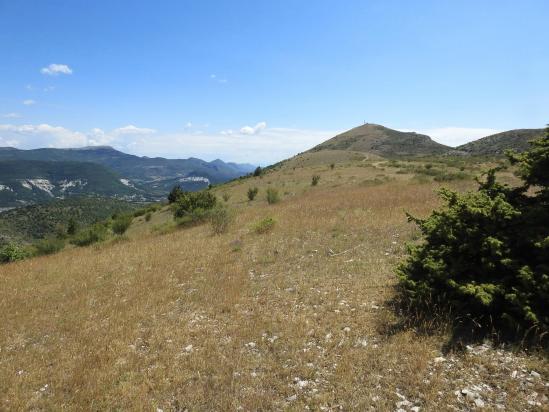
<point>297,312</point>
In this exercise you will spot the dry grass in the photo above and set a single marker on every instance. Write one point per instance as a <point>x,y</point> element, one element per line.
<point>290,319</point>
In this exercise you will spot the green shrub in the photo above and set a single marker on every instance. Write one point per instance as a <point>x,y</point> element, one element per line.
<point>196,216</point>
<point>12,252</point>
<point>72,227</point>
<point>332,166</point>
<point>258,171</point>
<point>264,225</point>
<point>220,218</point>
<point>174,194</point>
<point>448,177</point>
<point>90,235</point>
<point>188,202</point>
<point>226,196</point>
<point>148,216</point>
<point>48,246</point>
<point>272,196</point>
<point>121,224</point>
<point>485,256</point>
<point>315,180</point>
<point>252,193</point>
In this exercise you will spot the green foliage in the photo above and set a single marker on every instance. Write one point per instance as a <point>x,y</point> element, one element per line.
<point>174,194</point>
<point>448,177</point>
<point>12,252</point>
<point>121,224</point>
<point>48,246</point>
<point>258,171</point>
<point>315,180</point>
<point>272,196</point>
<point>332,166</point>
<point>252,193</point>
<point>485,256</point>
<point>148,216</point>
<point>220,218</point>
<point>153,207</point>
<point>90,235</point>
<point>72,227</point>
<point>264,225</point>
<point>189,203</point>
<point>58,217</point>
<point>226,196</point>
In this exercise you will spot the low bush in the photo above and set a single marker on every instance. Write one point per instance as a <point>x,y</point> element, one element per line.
<point>485,256</point>
<point>90,235</point>
<point>264,225</point>
<point>226,197</point>
<point>448,177</point>
<point>121,224</point>
<point>12,252</point>
<point>148,216</point>
<point>252,193</point>
<point>272,196</point>
<point>220,219</point>
<point>48,246</point>
<point>188,202</point>
<point>315,180</point>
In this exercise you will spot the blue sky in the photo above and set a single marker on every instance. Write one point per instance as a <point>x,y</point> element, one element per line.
<point>257,81</point>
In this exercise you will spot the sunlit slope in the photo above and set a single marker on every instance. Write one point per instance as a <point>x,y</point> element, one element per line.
<point>175,318</point>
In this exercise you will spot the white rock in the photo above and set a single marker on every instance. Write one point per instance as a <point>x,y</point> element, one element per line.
<point>188,348</point>
<point>479,403</point>
<point>440,359</point>
<point>346,329</point>
<point>415,408</point>
<point>291,398</point>
<point>535,374</point>
<point>403,403</point>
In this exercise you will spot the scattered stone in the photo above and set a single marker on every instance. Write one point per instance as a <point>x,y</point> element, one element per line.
<point>534,374</point>
<point>479,403</point>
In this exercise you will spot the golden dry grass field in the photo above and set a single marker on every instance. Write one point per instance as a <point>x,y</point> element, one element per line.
<point>297,318</point>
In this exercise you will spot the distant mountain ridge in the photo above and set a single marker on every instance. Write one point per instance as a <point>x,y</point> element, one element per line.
<point>155,175</point>
<point>24,182</point>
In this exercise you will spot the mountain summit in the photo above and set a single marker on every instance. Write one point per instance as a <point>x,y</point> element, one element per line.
<point>380,140</point>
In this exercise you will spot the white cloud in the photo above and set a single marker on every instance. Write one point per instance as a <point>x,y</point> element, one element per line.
<point>49,88</point>
<point>11,115</point>
<point>249,130</point>
<point>55,69</point>
<point>272,145</point>
<point>455,136</point>
<point>132,130</point>
<point>29,102</point>
<point>43,135</point>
